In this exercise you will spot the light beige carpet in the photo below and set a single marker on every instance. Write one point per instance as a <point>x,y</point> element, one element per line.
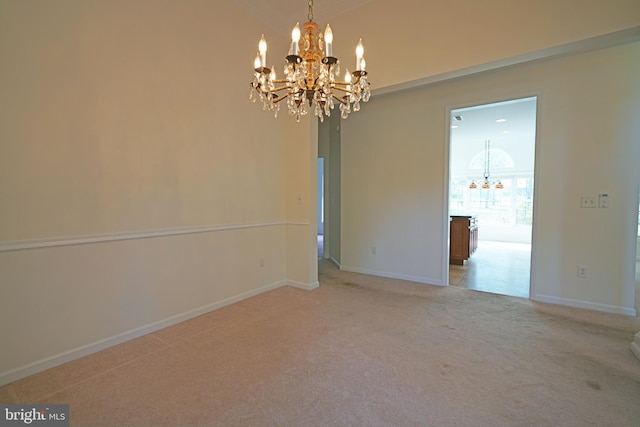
<point>360,351</point>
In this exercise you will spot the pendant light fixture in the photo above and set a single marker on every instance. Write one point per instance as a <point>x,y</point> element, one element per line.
<point>486,183</point>
<point>311,76</point>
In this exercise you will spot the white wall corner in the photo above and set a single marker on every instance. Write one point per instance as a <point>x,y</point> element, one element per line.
<point>335,262</point>
<point>305,286</point>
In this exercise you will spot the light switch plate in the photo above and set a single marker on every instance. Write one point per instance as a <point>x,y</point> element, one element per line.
<point>603,200</point>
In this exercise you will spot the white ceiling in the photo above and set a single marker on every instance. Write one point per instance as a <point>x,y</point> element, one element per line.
<point>282,15</point>
<point>479,123</point>
<point>515,135</point>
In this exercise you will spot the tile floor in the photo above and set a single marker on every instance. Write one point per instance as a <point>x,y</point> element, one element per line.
<point>496,267</point>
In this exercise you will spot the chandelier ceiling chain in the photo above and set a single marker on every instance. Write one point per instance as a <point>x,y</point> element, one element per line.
<point>312,76</point>
<point>486,183</point>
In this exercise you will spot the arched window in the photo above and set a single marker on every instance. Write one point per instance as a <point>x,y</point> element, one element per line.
<point>498,159</point>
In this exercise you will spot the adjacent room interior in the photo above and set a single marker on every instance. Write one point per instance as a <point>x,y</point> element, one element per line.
<point>491,188</point>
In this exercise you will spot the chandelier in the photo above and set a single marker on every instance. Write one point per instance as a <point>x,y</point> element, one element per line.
<point>311,76</point>
<point>486,183</point>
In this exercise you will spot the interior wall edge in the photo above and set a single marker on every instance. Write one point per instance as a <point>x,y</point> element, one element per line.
<point>304,286</point>
<point>335,262</point>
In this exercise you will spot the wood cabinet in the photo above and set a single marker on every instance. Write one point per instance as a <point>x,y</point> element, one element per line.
<point>463,238</point>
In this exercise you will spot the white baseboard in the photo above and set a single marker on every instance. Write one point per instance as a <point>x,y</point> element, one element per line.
<point>68,356</point>
<point>305,286</point>
<point>418,279</point>
<point>585,304</point>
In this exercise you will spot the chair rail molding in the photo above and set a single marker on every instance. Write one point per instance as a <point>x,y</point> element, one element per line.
<point>21,245</point>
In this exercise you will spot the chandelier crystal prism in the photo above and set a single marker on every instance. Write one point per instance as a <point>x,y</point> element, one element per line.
<point>311,76</point>
<point>486,183</point>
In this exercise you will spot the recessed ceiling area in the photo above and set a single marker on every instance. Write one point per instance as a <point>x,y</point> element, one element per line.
<point>504,123</point>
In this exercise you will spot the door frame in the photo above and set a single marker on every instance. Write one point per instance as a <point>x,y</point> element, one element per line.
<point>447,177</point>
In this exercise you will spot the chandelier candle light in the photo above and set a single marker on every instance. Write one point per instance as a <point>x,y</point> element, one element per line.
<point>311,76</point>
<point>486,183</point>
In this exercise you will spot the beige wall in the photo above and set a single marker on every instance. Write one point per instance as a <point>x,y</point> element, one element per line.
<point>138,184</point>
<point>123,116</point>
<point>395,170</point>
<point>302,188</point>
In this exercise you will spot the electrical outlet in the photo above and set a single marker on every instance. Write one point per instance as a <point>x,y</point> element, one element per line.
<point>582,271</point>
<point>373,250</point>
<point>261,262</point>
<point>588,202</point>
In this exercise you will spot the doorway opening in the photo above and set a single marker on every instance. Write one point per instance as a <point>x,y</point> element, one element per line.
<point>491,182</point>
<point>321,207</point>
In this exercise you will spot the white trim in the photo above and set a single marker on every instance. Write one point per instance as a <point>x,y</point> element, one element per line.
<point>67,356</point>
<point>446,196</point>
<point>585,304</point>
<point>303,223</point>
<point>19,245</point>
<point>305,286</point>
<point>418,279</point>
<point>335,262</point>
